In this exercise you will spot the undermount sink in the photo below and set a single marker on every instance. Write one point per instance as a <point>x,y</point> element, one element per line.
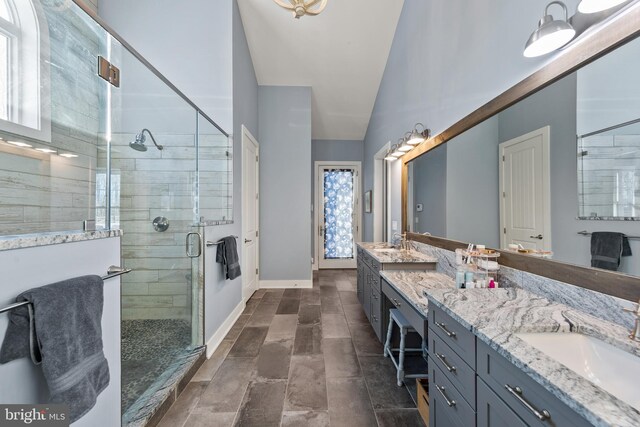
<point>606,366</point>
<point>386,251</point>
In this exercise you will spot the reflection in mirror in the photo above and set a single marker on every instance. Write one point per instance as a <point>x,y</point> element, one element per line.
<point>523,177</point>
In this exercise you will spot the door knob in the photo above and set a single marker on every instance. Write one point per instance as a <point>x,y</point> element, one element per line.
<point>248,241</point>
<point>539,237</point>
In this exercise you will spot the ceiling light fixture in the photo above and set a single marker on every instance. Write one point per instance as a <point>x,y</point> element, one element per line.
<point>20,144</point>
<point>68,155</point>
<point>416,137</point>
<point>303,7</point>
<point>46,150</point>
<point>594,6</point>
<point>551,33</point>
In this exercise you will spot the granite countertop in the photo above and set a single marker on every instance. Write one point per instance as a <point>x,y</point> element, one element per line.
<point>496,315</point>
<point>411,284</point>
<point>53,238</point>
<point>397,256</point>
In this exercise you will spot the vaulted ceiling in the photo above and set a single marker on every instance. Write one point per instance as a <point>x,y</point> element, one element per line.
<point>341,54</point>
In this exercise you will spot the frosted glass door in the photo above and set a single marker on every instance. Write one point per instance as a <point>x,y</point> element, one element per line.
<point>338,219</point>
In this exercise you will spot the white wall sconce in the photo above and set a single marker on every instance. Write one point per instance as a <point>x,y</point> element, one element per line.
<point>595,6</point>
<point>553,34</point>
<point>418,136</point>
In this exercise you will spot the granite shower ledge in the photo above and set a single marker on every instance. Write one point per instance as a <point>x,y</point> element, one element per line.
<point>411,285</point>
<point>54,238</point>
<point>496,315</point>
<point>398,256</point>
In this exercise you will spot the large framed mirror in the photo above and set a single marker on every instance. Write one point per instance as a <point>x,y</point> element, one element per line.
<point>551,166</point>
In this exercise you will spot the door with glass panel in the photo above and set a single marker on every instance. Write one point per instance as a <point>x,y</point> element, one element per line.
<point>338,213</point>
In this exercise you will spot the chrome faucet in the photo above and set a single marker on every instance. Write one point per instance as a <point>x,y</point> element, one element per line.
<point>635,332</point>
<point>404,243</point>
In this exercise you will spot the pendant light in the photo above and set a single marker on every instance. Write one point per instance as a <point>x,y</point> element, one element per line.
<point>551,33</point>
<point>594,6</point>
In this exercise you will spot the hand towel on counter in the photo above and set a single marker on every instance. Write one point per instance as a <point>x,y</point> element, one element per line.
<point>227,255</point>
<point>607,248</point>
<point>62,331</point>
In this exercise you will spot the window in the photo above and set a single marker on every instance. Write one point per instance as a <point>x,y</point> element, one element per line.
<point>22,110</point>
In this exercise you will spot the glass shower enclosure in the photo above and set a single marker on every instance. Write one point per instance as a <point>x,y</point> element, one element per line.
<point>96,135</point>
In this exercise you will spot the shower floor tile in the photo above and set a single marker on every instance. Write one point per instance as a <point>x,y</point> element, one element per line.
<point>149,348</point>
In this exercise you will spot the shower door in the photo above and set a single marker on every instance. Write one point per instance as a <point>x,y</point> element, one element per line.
<point>152,160</point>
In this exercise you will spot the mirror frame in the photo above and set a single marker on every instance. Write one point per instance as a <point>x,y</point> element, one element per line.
<point>619,30</point>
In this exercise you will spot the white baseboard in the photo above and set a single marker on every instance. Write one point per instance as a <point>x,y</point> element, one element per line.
<point>286,284</point>
<point>224,329</point>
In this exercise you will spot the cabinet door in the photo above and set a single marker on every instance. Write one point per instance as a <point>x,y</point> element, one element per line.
<point>360,282</point>
<point>376,313</point>
<point>366,294</point>
<point>492,411</point>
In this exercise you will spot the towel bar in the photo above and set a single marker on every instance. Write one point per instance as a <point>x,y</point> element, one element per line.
<point>112,271</point>
<point>218,242</point>
<point>586,233</point>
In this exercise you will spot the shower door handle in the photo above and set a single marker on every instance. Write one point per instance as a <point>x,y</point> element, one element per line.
<point>188,246</point>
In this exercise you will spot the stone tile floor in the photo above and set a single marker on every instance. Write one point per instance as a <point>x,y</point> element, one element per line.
<point>149,348</point>
<point>298,357</point>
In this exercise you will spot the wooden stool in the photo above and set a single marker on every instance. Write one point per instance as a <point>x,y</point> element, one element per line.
<point>395,316</point>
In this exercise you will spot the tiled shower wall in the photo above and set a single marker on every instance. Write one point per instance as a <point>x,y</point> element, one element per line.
<point>162,183</point>
<point>46,192</point>
<point>595,303</point>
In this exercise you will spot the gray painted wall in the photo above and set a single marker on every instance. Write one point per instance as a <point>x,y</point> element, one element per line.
<point>222,296</point>
<point>191,46</point>
<point>284,117</point>
<point>332,150</point>
<point>440,70</point>
<point>430,189</point>
<point>473,210</point>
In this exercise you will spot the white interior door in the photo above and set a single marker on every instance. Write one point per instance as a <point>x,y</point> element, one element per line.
<point>250,213</point>
<point>525,214</point>
<point>338,213</point>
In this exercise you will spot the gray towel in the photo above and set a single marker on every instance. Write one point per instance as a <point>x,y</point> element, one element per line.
<point>61,330</point>
<point>607,248</point>
<point>227,255</point>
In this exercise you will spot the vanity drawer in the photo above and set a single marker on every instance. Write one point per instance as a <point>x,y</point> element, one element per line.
<point>376,313</point>
<point>456,336</point>
<point>447,407</point>
<point>461,375</point>
<point>417,320</point>
<point>527,395</point>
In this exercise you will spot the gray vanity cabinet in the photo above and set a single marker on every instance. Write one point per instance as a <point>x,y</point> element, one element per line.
<point>452,376</point>
<point>471,384</point>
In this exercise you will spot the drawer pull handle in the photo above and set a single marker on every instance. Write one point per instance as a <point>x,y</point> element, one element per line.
<point>517,393</point>
<point>396,303</point>
<point>442,358</point>
<point>375,296</point>
<point>442,326</point>
<point>450,403</point>
<point>375,318</point>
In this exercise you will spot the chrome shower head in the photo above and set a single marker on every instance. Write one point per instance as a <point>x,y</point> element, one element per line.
<point>138,144</point>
